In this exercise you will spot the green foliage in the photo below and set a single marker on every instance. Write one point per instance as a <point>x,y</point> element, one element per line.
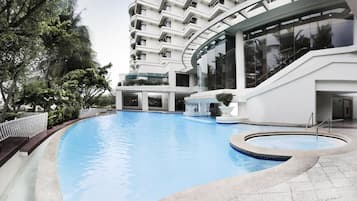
<point>45,38</point>
<point>36,93</point>
<point>225,98</point>
<point>62,114</point>
<point>105,100</point>
<point>87,84</point>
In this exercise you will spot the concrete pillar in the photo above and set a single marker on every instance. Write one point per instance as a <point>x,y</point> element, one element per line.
<point>165,101</point>
<point>145,101</point>
<point>172,78</point>
<point>192,80</point>
<point>242,110</point>
<point>171,102</point>
<point>119,100</point>
<point>355,29</point>
<point>240,64</point>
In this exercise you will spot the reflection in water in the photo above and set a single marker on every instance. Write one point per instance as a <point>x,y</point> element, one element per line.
<point>147,156</point>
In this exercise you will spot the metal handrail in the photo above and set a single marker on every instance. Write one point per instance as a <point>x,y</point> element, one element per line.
<point>311,117</point>
<point>321,124</point>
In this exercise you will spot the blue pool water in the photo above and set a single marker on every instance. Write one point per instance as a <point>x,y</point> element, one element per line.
<point>296,142</point>
<point>134,156</point>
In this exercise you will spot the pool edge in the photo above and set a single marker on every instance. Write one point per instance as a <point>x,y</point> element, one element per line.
<point>298,162</point>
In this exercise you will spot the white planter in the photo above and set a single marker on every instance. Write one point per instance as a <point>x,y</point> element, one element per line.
<point>226,111</point>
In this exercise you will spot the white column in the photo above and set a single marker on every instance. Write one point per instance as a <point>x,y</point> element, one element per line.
<point>240,64</point>
<point>242,110</point>
<point>119,100</point>
<point>145,101</point>
<point>355,29</point>
<point>171,102</point>
<point>165,101</point>
<point>191,80</point>
<point>172,78</point>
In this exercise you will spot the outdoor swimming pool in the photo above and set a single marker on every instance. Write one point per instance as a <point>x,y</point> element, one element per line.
<point>147,156</point>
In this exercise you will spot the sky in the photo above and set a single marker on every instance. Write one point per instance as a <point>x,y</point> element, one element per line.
<point>108,24</point>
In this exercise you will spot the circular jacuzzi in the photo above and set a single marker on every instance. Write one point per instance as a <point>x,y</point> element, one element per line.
<point>296,142</point>
<point>282,145</point>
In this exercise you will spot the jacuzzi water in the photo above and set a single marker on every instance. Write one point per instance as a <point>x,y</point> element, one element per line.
<point>296,142</point>
<point>134,156</point>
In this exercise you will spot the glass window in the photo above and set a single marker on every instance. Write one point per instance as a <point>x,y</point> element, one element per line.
<point>155,100</point>
<point>182,80</point>
<point>217,66</point>
<point>321,35</point>
<point>130,99</point>
<point>202,71</point>
<point>302,40</point>
<point>287,45</point>
<point>341,32</point>
<point>273,57</point>
<point>260,57</point>
<point>269,49</point>
<point>211,67</point>
<point>249,56</point>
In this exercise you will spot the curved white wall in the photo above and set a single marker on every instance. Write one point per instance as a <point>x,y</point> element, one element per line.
<point>290,95</point>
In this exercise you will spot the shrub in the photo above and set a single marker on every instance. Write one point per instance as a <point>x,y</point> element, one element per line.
<point>11,116</point>
<point>61,115</point>
<point>225,98</point>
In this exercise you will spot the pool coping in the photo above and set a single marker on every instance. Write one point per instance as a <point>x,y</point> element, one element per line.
<point>239,142</point>
<point>47,185</point>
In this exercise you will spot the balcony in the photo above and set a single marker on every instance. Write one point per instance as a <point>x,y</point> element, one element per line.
<point>171,15</point>
<point>169,30</point>
<point>166,60</point>
<point>147,34</point>
<point>165,46</point>
<point>131,8</point>
<point>144,48</point>
<point>218,9</point>
<point>133,33</point>
<point>190,28</point>
<point>192,11</point>
<point>133,52</point>
<point>149,3</point>
<point>146,63</point>
<point>148,19</point>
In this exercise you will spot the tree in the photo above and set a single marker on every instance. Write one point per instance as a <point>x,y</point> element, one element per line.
<point>20,25</point>
<point>67,46</point>
<point>17,55</point>
<point>36,93</point>
<point>87,84</point>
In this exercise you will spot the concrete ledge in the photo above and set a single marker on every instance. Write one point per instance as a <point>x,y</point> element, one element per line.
<point>231,188</point>
<point>239,142</point>
<point>47,184</point>
<point>229,120</point>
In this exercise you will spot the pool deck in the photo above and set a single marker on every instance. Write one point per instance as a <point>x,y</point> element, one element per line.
<point>316,176</point>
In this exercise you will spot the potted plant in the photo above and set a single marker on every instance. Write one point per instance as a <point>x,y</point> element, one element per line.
<point>225,99</point>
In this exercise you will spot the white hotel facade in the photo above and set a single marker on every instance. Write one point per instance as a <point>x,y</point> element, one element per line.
<point>284,60</point>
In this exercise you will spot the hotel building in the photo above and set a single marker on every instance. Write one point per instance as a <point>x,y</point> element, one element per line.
<point>286,61</point>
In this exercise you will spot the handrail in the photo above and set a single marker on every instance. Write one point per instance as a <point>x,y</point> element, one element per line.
<point>311,117</point>
<point>281,65</point>
<point>321,124</point>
